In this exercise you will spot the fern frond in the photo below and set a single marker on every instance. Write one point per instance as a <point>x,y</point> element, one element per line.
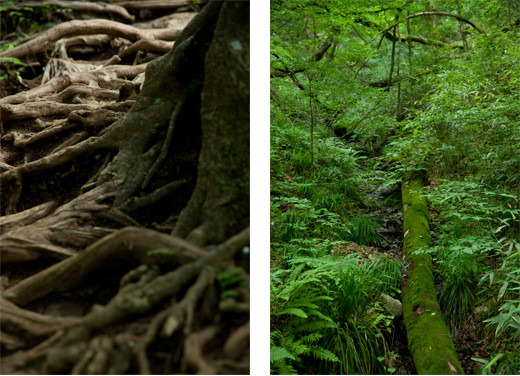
<point>297,347</point>
<point>280,367</point>
<point>315,312</point>
<point>317,325</point>
<point>323,354</point>
<point>278,353</point>
<point>292,311</point>
<point>303,303</point>
<point>311,338</point>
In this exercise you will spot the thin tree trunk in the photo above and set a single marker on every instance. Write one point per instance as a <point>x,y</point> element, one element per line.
<point>398,110</point>
<point>392,60</point>
<point>409,44</point>
<point>461,27</point>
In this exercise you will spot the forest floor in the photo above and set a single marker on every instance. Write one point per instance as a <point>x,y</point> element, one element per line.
<point>53,100</point>
<point>467,339</point>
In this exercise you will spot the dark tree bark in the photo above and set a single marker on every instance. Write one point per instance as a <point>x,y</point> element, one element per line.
<point>220,202</point>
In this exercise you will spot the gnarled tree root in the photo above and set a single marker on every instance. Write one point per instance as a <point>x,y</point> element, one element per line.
<point>77,27</point>
<point>429,339</point>
<point>123,245</point>
<point>83,6</point>
<point>84,353</point>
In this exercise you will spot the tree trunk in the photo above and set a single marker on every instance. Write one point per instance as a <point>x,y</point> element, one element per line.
<point>429,340</point>
<point>220,203</point>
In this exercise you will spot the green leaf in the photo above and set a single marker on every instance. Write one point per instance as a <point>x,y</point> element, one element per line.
<point>278,353</point>
<point>324,354</point>
<point>293,311</point>
<point>502,290</point>
<point>229,293</point>
<point>9,59</point>
<point>160,251</point>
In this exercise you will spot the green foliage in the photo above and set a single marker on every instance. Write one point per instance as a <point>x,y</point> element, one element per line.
<point>504,363</point>
<point>16,62</point>
<point>471,216</point>
<point>229,279</point>
<point>363,230</point>
<point>457,125</point>
<point>456,298</point>
<point>324,313</point>
<point>25,17</point>
<point>12,60</point>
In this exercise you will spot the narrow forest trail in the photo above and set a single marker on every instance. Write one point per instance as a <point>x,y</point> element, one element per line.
<point>124,216</point>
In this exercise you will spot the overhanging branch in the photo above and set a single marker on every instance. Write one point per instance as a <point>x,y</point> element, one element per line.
<point>422,14</point>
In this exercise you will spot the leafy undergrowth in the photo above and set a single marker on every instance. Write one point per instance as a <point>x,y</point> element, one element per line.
<point>330,260</point>
<point>339,149</point>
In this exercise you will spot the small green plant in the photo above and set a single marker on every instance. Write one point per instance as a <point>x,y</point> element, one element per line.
<point>229,279</point>
<point>324,314</point>
<point>389,361</point>
<point>16,62</point>
<point>155,128</point>
<point>508,319</point>
<point>486,369</point>
<point>363,230</point>
<point>389,274</point>
<point>456,298</point>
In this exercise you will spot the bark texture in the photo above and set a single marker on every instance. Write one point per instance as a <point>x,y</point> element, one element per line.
<point>222,191</point>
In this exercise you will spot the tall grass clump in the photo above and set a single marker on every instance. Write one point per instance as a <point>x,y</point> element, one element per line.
<point>363,230</point>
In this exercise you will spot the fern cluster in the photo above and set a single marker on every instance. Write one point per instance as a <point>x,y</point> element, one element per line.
<point>324,317</point>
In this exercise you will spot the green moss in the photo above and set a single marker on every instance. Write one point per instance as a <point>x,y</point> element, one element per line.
<point>429,340</point>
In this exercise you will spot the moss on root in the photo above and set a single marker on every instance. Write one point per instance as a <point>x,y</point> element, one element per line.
<point>429,340</point>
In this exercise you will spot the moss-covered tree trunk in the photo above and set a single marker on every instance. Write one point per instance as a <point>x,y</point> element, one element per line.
<point>429,340</point>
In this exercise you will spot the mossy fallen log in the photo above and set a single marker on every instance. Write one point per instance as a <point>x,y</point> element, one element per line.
<point>429,340</point>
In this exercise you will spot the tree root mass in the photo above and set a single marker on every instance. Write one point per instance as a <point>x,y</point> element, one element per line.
<point>123,214</point>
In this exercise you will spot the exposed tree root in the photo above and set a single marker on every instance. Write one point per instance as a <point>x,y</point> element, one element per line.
<point>155,4</point>
<point>147,45</point>
<point>83,6</point>
<point>127,245</point>
<point>96,152</point>
<point>135,203</point>
<point>25,217</point>
<point>174,318</point>
<point>70,225</point>
<point>73,28</point>
<point>194,360</point>
<point>133,298</point>
<point>106,78</point>
<point>237,342</point>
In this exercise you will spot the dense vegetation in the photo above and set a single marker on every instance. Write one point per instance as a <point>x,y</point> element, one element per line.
<point>365,95</point>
